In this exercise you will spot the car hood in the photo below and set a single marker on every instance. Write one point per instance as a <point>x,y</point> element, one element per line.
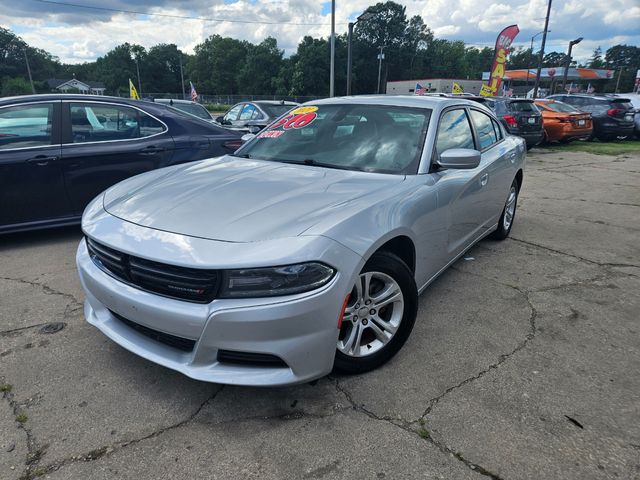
<point>239,200</point>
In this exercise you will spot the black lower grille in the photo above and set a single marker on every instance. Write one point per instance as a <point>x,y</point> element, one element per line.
<point>191,284</point>
<point>180,343</point>
<point>251,359</point>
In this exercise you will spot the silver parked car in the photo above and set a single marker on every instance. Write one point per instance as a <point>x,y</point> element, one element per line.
<point>305,249</point>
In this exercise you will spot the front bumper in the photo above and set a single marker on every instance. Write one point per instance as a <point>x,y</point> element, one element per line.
<point>301,330</point>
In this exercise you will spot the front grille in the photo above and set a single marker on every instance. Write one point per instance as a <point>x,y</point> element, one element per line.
<point>184,344</point>
<point>190,284</point>
<point>251,359</point>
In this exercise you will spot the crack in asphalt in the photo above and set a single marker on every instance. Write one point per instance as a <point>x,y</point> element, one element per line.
<point>107,450</point>
<point>406,426</point>
<point>45,288</point>
<point>34,452</point>
<point>560,252</point>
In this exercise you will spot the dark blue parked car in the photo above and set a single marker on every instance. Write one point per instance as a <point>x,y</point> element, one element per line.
<point>57,152</point>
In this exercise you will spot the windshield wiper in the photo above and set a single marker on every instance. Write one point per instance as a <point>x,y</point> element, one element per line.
<point>315,163</point>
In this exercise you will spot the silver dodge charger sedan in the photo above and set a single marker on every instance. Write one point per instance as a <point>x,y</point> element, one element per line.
<point>307,248</point>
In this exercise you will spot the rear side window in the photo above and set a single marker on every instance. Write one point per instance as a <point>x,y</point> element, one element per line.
<point>26,126</point>
<point>248,112</point>
<point>528,107</point>
<point>454,131</point>
<point>94,122</point>
<point>486,133</point>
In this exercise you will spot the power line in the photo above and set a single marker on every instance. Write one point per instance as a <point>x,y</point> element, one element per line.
<point>184,17</point>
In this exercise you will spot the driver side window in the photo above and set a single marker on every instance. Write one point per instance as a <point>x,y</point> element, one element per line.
<point>454,131</point>
<point>232,114</point>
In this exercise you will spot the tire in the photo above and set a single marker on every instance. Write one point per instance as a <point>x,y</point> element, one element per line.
<point>508,214</point>
<point>369,339</point>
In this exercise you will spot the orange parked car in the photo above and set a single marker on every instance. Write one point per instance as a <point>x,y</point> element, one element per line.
<point>563,122</point>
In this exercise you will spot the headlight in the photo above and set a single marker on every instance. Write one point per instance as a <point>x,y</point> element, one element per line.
<point>274,281</point>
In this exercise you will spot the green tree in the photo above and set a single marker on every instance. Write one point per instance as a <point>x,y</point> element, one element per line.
<point>596,60</point>
<point>15,86</point>
<point>625,60</point>
<point>214,67</point>
<point>258,75</point>
<point>161,69</point>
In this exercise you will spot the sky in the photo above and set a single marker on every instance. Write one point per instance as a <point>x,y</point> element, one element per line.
<point>77,35</point>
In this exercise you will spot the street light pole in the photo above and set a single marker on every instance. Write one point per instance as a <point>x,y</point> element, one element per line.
<point>567,62</point>
<point>333,49</point>
<point>618,81</point>
<point>544,41</point>
<point>362,18</point>
<point>380,58</point>
<point>532,38</point>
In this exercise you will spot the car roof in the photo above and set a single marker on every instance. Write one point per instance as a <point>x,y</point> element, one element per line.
<point>174,100</point>
<point>272,102</point>
<point>69,96</point>
<point>420,101</point>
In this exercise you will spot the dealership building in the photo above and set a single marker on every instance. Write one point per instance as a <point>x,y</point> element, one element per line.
<point>433,85</point>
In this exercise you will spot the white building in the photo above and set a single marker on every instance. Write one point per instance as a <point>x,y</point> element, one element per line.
<point>433,85</point>
<point>88,88</point>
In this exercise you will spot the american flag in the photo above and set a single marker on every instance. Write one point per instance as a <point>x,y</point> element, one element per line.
<point>194,94</point>
<point>590,89</point>
<point>420,90</point>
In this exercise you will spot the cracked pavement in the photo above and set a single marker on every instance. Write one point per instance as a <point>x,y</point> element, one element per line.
<point>523,364</point>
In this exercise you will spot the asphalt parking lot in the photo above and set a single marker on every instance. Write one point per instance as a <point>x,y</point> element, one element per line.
<point>523,364</point>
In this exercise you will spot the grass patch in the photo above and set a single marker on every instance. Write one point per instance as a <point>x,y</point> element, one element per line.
<point>6,388</point>
<point>423,433</point>
<point>21,418</point>
<point>597,147</point>
<point>217,107</point>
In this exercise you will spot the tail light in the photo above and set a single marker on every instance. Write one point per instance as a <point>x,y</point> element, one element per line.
<point>233,145</point>
<point>511,120</point>
<point>612,112</point>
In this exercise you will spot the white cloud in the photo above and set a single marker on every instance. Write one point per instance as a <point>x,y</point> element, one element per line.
<point>78,35</point>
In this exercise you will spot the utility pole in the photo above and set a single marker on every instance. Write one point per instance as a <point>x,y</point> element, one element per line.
<point>544,41</point>
<point>333,50</point>
<point>380,58</point>
<point>139,83</point>
<point>26,59</point>
<point>184,92</point>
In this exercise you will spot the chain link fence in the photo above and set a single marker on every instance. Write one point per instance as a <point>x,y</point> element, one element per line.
<point>233,99</point>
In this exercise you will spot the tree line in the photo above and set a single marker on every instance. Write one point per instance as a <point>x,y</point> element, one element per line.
<point>227,66</point>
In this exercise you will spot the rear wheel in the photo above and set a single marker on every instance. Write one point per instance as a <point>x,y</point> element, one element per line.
<point>379,316</point>
<point>508,213</point>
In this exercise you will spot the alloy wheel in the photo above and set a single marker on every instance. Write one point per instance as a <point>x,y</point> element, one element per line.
<point>510,208</point>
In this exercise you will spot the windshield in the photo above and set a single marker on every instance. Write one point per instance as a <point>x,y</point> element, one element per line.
<point>193,109</point>
<point>371,138</point>
<point>522,106</point>
<point>274,111</point>
<point>561,107</point>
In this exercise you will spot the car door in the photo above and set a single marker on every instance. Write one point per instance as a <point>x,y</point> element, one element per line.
<point>31,180</point>
<point>104,143</point>
<point>231,117</point>
<point>461,193</point>
<point>498,160</point>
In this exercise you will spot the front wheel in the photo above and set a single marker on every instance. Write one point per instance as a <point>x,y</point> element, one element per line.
<point>379,316</point>
<point>508,213</point>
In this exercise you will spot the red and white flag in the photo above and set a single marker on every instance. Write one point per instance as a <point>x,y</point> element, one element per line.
<point>194,94</point>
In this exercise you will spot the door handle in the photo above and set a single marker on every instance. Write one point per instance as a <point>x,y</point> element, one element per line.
<point>512,157</point>
<point>42,160</point>
<point>151,150</point>
<point>484,179</point>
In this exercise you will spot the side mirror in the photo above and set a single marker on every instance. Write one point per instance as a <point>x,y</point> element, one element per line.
<point>253,128</point>
<point>460,158</point>
<point>220,119</point>
<point>247,136</point>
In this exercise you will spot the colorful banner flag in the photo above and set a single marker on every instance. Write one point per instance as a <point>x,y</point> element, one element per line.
<point>419,90</point>
<point>457,89</point>
<point>485,91</point>
<point>133,93</point>
<point>194,94</point>
<point>503,43</point>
